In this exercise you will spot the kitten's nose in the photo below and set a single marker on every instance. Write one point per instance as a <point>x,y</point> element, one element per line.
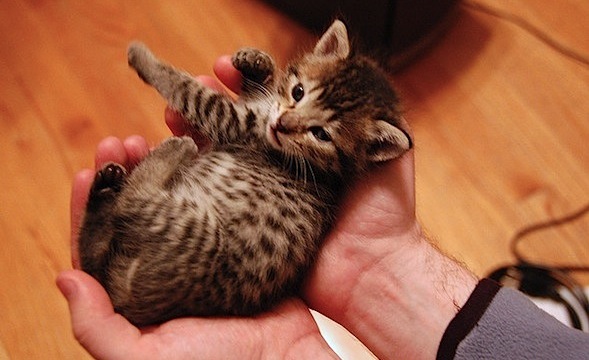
<point>289,122</point>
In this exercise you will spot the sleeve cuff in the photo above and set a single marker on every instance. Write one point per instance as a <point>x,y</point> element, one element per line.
<point>466,319</point>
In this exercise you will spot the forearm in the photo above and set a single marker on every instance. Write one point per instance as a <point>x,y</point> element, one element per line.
<point>399,305</point>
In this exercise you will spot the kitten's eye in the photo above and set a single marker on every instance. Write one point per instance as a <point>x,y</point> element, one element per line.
<point>320,133</point>
<point>298,92</point>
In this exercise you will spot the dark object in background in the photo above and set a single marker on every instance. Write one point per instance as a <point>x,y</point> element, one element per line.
<point>538,281</point>
<point>401,28</point>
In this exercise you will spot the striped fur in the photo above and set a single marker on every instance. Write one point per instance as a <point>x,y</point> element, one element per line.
<point>232,230</point>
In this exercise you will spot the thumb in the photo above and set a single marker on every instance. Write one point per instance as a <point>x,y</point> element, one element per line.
<point>227,73</point>
<point>102,332</point>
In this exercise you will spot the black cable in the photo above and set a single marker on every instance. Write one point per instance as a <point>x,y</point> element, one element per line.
<point>543,282</point>
<point>533,278</point>
<point>530,229</point>
<point>530,28</point>
<point>552,282</point>
<point>566,51</point>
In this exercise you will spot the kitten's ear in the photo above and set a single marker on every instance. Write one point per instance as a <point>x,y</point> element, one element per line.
<point>334,42</point>
<point>386,141</point>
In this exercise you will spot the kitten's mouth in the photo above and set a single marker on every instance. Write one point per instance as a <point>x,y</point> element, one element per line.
<point>273,137</point>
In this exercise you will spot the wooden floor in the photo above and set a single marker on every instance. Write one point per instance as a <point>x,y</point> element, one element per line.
<point>501,122</point>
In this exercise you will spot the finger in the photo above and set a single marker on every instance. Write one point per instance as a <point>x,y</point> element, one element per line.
<point>102,332</point>
<point>211,83</point>
<point>396,181</point>
<point>110,149</point>
<point>175,122</point>
<point>136,148</point>
<point>80,188</point>
<point>227,73</point>
<point>399,177</point>
<point>389,192</point>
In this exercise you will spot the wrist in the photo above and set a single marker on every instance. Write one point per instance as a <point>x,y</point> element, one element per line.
<point>399,299</point>
<point>310,346</point>
<point>290,332</point>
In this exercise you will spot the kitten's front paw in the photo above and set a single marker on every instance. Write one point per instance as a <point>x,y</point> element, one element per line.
<point>109,178</point>
<point>141,59</point>
<point>254,65</point>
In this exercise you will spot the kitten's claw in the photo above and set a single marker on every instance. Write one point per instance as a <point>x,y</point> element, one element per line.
<point>110,177</point>
<point>254,65</point>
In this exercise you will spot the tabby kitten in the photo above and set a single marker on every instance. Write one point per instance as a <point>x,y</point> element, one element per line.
<point>232,230</point>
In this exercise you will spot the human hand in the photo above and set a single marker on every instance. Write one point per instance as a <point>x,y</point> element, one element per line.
<point>287,331</point>
<point>380,276</point>
<point>376,273</point>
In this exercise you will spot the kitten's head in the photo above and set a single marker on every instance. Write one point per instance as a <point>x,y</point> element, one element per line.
<point>336,110</point>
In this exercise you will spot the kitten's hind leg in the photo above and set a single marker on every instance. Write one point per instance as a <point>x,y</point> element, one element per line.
<point>165,163</point>
<point>255,66</point>
<point>108,179</point>
<point>96,231</point>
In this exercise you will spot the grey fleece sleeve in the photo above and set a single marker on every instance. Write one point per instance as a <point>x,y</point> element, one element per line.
<point>501,323</point>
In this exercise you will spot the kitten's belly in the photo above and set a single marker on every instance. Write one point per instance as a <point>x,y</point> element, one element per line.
<point>230,238</point>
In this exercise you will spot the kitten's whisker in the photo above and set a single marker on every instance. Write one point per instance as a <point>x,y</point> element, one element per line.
<point>313,175</point>
<point>262,93</point>
<point>300,169</point>
<point>303,166</point>
<point>290,164</point>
